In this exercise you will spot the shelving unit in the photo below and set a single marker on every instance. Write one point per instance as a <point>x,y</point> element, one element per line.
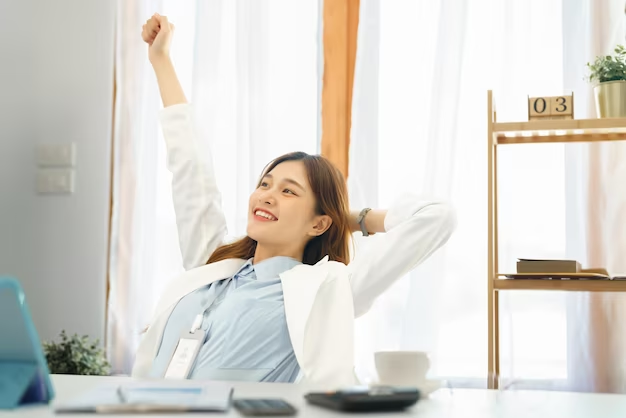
<point>533,132</point>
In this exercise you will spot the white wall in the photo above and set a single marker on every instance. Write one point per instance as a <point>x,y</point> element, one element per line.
<point>56,85</point>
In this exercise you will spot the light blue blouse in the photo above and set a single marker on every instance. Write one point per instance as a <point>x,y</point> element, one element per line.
<point>245,324</point>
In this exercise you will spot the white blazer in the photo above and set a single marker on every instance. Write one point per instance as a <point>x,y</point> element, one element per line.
<point>321,300</point>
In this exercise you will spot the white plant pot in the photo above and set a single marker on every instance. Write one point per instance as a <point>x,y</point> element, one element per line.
<point>611,99</point>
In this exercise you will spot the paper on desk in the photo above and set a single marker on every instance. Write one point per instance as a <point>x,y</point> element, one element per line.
<point>152,396</point>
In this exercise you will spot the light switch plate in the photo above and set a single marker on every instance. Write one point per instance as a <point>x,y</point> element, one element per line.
<point>57,181</point>
<point>56,155</point>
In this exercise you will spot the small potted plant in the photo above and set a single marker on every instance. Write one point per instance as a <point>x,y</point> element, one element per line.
<point>608,73</point>
<point>76,355</point>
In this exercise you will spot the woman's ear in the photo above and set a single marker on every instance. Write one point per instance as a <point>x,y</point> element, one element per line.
<point>321,225</point>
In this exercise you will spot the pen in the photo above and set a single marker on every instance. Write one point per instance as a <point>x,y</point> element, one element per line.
<point>120,394</point>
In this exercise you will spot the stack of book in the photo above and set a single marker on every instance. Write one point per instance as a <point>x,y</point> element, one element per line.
<point>526,265</point>
<point>528,268</point>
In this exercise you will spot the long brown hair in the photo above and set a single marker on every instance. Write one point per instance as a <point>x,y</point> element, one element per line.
<point>331,197</point>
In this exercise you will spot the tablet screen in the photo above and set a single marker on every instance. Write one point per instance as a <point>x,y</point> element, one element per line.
<point>25,369</point>
<point>15,341</point>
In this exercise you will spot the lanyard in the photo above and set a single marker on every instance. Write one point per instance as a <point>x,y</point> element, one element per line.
<point>184,357</point>
<point>197,322</point>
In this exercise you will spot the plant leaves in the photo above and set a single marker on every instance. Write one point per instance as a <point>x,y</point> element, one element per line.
<point>607,67</point>
<point>76,355</point>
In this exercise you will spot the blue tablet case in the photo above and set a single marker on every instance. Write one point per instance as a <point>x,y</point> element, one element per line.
<point>24,374</point>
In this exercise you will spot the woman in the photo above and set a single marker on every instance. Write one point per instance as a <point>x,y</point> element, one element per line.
<point>278,305</point>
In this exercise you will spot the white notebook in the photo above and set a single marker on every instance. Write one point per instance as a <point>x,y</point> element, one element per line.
<point>153,396</point>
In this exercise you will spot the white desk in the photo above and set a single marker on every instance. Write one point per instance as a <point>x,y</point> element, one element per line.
<point>466,403</point>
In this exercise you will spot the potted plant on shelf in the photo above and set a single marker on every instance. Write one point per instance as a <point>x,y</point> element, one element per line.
<point>76,355</point>
<point>608,72</point>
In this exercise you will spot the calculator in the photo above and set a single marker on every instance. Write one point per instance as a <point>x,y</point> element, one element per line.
<point>366,399</point>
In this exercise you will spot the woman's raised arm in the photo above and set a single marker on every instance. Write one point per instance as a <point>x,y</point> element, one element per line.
<point>197,200</point>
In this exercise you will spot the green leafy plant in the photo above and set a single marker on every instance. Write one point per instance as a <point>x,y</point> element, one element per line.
<point>76,355</point>
<point>608,67</point>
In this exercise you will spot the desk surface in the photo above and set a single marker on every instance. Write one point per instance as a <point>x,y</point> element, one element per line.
<point>466,403</point>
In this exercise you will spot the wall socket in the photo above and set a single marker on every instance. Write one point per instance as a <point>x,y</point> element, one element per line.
<point>57,181</point>
<point>56,155</point>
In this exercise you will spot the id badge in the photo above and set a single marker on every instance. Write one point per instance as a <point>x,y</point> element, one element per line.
<point>185,355</point>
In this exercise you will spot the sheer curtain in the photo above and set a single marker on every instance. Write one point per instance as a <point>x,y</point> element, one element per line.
<point>419,124</point>
<point>250,67</point>
<point>597,349</point>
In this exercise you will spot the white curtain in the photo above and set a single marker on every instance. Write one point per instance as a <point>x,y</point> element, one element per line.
<point>251,69</point>
<point>419,123</point>
<point>595,178</point>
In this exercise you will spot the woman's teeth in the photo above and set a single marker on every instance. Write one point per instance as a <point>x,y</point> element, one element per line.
<point>265,215</point>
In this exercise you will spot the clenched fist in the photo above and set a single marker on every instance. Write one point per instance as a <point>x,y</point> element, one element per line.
<point>157,33</point>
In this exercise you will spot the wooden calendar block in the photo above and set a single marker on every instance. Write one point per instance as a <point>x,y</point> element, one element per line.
<point>562,106</point>
<point>538,107</point>
<point>551,107</point>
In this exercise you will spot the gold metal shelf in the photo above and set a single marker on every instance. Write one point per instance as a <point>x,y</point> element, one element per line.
<point>560,131</point>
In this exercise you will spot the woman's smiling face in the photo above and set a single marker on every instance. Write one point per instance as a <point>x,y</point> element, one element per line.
<point>282,210</point>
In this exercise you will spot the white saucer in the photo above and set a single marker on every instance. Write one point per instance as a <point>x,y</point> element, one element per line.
<point>426,387</point>
<point>429,386</point>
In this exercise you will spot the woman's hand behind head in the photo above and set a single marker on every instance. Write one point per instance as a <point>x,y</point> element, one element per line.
<point>157,33</point>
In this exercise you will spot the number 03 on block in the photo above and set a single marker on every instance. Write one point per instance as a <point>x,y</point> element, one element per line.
<point>558,107</point>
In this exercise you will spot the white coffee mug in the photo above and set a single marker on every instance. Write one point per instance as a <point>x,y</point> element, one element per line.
<point>401,368</point>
